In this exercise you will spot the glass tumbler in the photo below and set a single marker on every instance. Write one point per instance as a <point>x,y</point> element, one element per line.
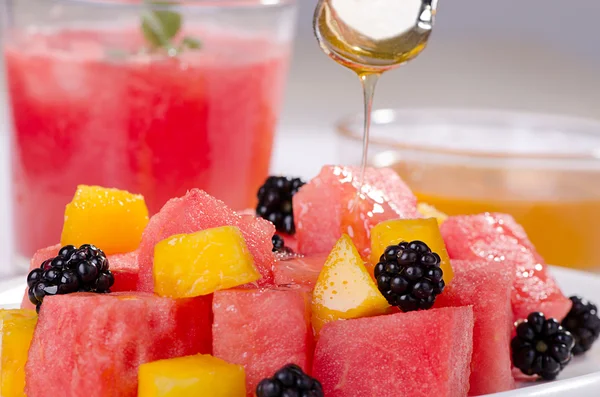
<point>152,97</point>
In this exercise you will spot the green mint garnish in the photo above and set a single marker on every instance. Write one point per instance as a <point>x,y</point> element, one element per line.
<point>191,43</point>
<point>161,26</point>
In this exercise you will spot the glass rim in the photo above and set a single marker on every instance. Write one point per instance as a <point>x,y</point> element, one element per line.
<point>350,127</point>
<point>204,4</point>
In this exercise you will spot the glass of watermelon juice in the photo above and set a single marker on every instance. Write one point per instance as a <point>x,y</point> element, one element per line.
<point>152,98</point>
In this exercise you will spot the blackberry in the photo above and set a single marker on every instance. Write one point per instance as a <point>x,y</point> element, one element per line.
<point>583,323</point>
<point>409,276</point>
<point>289,381</point>
<point>72,270</point>
<point>280,248</point>
<point>275,202</point>
<point>278,243</point>
<point>541,346</point>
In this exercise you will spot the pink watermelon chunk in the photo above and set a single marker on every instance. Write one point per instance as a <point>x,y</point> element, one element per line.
<point>487,288</point>
<point>322,207</point>
<point>262,330</point>
<point>43,254</point>
<point>302,271</point>
<point>196,211</point>
<point>425,353</point>
<point>126,271</point>
<point>91,345</point>
<point>500,239</point>
<point>123,266</point>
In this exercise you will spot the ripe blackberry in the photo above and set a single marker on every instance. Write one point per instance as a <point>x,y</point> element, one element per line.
<point>278,243</point>
<point>541,347</point>
<point>275,202</point>
<point>409,276</point>
<point>583,323</point>
<point>279,246</point>
<point>289,381</point>
<point>73,270</point>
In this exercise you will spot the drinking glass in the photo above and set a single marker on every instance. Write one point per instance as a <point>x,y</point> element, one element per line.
<point>152,97</point>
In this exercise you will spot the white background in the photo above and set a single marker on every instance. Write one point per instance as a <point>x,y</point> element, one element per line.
<point>539,55</point>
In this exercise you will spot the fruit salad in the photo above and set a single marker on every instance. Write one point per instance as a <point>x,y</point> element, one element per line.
<point>327,288</point>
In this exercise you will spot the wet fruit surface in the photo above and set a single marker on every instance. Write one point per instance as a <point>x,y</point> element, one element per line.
<point>345,288</point>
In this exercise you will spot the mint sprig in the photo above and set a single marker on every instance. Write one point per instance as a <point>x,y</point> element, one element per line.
<point>161,26</point>
<point>191,43</point>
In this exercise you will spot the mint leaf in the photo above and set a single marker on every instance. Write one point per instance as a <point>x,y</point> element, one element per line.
<point>160,26</point>
<point>191,43</point>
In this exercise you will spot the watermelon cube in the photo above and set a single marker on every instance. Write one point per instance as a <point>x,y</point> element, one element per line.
<point>487,288</point>
<point>126,270</point>
<point>500,239</point>
<point>197,211</point>
<point>124,267</point>
<point>262,330</point>
<point>328,206</point>
<point>91,345</point>
<point>424,353</point>
<point>42,255</point>
<point>302,271</point>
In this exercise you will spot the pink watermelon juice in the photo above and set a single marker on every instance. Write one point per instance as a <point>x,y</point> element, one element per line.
<point>147,124</point>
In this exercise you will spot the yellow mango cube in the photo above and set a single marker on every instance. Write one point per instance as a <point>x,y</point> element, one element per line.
<point>395,231</point>
<point>111,219</point>
<point>344,289</point>
<point>429,211</point>
<point>188,265</point>
<point>200,375</point>
<point>16,331</point>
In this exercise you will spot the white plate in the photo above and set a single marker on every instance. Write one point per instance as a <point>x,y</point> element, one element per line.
<point>581,378</point>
